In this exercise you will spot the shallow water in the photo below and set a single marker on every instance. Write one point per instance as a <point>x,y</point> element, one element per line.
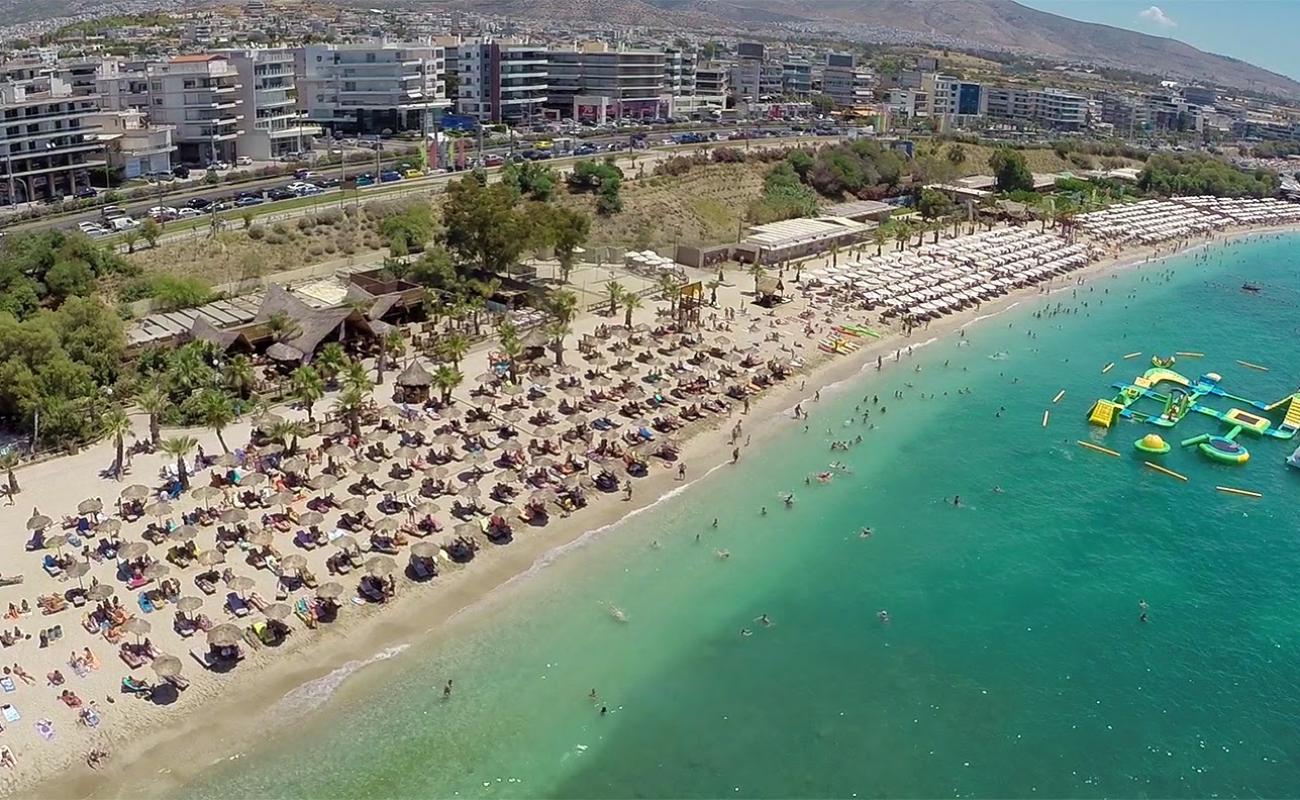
<point>1013,662</point>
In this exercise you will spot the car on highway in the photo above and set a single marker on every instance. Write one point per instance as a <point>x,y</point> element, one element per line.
<point>365,179</point>
<point>163,213</point>
<point>493,160</point>
<point>188,213</point>
<point>585,149</point>
<point>389,176</point>
<point>91,228</point>
<point>124,223</point>
<point>109,212</point>
<point>199,203</point>
<point>412,174</point>
<point>281,193</point>
<point>246,202</point>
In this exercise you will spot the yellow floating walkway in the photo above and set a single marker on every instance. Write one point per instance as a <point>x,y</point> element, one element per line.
<point>1168,472</point>
<point>1098,448</point>
<point>1242,492</point>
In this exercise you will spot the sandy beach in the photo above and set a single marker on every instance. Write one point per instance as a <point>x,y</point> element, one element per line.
<point>153,746</point>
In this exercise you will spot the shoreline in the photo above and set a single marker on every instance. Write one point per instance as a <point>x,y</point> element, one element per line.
<point>216,709</point>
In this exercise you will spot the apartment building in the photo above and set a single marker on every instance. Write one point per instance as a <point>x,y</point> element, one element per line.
<point>909,103</point>
<point>372,88</point>
<point>711,86</point>
<point>135,147</point>
<point>753,77</point>
<point>502,81</point>
<point>953,100</point>
<point>1048,108</point>
<point>595,81</point>
<point>200,96</point>
<point>49,142</point>
<point>796,78</point>
<point>845,82</point>
<point>679,79</point>
<point>273,124</point>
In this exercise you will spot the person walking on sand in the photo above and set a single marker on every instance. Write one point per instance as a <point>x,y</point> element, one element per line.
<point>735,454</point>
<point>446,690</point>
<point>681,472</point>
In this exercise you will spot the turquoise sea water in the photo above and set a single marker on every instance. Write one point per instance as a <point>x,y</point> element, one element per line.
<point>1014,662</point>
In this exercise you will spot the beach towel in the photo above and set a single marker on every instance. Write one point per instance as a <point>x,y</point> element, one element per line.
<point>7,684</point>
<point>10,713</point>
<point>45,728</point>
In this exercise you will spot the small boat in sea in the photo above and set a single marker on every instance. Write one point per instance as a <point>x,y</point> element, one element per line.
<point>1251,287</point>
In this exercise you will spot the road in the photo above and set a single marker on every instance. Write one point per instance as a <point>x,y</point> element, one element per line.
<point>178,196</point>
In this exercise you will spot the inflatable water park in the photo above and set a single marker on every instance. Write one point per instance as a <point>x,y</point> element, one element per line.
<point>1174,396</point>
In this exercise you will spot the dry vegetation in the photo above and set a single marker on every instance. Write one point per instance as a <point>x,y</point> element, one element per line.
<point>703,206</point>
<point>265,248</point>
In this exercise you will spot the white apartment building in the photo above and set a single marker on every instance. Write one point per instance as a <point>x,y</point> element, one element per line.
<point>200,96</point>
<point>135,147</point>
<point>48,139</point>
<point>953,100</point>
<point>502,81</point>
<point>372,88</point>
<point>273,124</point>
<point>679,80</point>
<point>910,103</point>
<point>1047,108</point>
<point>711,86</point>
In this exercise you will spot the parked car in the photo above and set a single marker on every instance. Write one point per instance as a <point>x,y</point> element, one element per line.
<point>493,160</point>
<point>181,172</point>
<point>219,166</point>
<point>90,228</point>
<point>244,161</point>
<point>86,193</point>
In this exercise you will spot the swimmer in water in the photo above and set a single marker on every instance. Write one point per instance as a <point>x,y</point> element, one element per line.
<point>763,620</point>
<point>997,490</point>
<point>762,512</point>
<point>654,545</point>
<point>865,533</point>
<point>883,616</point>
<point>746,632</point>
<point>788,499</point>
<point>722,555</point>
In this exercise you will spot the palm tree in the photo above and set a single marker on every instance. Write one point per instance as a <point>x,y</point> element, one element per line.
<point>902,232</point>
<point>671,291</point>
<point>216,411</point>
<point>180,447</point>
<point>881,235</point>
<point>282,327</point>
<point>306,386</point>
<point>511,346</point>
<point>349,405</point>
<point>154,402</point>
<point>331,360</point>
<point>557,330</point>
<point>240,377</point>
<point>356,377</point>
<point>452,347</point>
<point>447,378</point>
<point>129,238</point>
<point>391,345</point>
<point>631,302</point>
<point>286,432</point>
<point>564,305</point>
<point>116,425</point>
<point>616,292</point>
<point>757,272</point>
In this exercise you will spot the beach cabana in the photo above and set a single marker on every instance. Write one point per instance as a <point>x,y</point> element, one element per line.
<point>413,383</point>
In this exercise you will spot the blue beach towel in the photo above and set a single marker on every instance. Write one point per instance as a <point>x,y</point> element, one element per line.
<point>7,683</point>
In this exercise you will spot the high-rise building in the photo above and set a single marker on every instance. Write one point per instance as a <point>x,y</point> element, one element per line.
<point>502,81</point>
<point>273,124</point>
<point>796,78</point>
<point>200,97</point>
<point>595,82</point>
<point>48,139</point>
<point>370,88</point>
<point>679,79</point>
<point>711,87</point>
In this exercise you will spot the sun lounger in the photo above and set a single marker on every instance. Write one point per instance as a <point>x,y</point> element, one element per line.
<point>51,566</point>
<point>146,605</point>
<point>236,605</point>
